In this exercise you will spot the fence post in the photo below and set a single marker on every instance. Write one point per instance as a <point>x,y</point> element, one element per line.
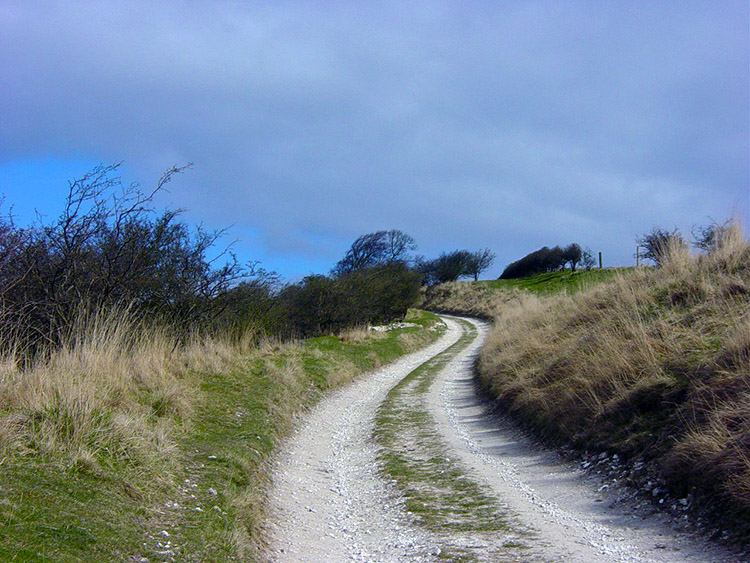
<point>600,260</point>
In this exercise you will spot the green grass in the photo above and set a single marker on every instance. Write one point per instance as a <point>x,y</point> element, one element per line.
<point>557,282</point>
<point>436,488</point>
<point>208,492</point>
<point>50,514</point>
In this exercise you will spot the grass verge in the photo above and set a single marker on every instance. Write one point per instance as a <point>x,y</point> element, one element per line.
<point>128,446</point>
<point>488,299</point>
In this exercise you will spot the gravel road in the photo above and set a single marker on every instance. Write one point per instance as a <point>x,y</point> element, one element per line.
<point>330,503</point>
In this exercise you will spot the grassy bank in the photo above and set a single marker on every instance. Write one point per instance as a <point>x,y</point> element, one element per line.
<point>653,365</point>
<point>126,445</point>
<point>488,299</point>
<point>558,281</point>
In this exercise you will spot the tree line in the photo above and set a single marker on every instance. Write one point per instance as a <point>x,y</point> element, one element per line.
<point>655,245</point>
<point>110,248</point>
<point>376,281</point>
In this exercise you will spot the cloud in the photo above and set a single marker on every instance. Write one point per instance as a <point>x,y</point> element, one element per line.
<point>505,125</point>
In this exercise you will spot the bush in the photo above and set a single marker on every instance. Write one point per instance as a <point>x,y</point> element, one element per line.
<point>450,266</point>
<point>320,305</point>
<point>108,249</point>
<point>543,260</point>
<point>314,306</point>
<point>659,244</point>
<point>380,294</point>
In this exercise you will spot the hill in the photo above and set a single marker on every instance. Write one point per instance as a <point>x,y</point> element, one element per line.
<point>652,364</point>
<point>558,281</point>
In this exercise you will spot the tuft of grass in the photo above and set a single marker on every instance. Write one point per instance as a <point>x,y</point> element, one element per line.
<point>128,444</point>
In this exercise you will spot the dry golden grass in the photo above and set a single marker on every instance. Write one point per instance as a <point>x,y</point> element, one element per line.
<point>359,334</point>
<point>106,393</point>
<point>469,299</point>
<point>113,392</point>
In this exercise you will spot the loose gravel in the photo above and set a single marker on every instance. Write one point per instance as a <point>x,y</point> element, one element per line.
<point>328,502</point>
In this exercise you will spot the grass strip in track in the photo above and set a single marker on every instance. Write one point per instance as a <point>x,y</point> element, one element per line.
<point>441,496</point>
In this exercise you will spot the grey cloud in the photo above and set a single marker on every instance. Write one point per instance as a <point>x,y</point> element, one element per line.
<point>480,124</point>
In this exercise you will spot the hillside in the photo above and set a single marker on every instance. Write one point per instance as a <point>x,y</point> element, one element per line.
<point>558,281</point>
<point>652,365</point>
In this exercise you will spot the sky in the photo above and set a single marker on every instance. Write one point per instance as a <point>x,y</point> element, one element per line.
<point>507,125</point>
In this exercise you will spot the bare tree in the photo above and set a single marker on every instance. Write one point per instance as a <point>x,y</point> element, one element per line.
<point>572,254</point>
<point>479,261</point>
<point>587,259</point>
<point>108,248</point>
<point>709,236</point>
<point>375,249</point>
<point>398,246</point>
<point>659,243</point>
<point>447,267</point>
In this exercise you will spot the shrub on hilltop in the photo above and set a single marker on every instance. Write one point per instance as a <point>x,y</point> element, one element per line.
<point>548,260</point>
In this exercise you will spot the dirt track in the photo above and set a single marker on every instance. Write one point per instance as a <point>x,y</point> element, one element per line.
<point>330,502</point>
